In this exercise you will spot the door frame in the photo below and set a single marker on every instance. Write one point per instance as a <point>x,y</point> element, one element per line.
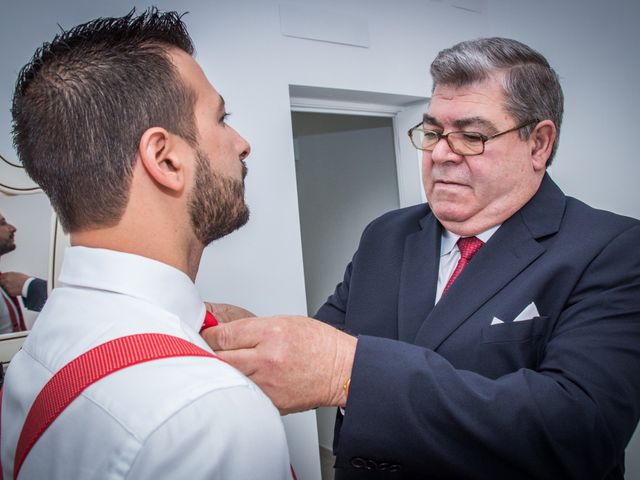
<point>400,108</point>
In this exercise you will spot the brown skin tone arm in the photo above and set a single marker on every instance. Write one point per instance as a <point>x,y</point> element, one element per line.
<point>12,282</point>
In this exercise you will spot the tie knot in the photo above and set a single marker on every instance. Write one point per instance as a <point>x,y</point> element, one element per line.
<point>469,246</point>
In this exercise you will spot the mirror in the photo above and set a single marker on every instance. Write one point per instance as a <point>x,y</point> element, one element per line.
<point>23,205</point>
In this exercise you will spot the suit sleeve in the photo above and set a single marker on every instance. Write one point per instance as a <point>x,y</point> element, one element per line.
<point>36,295</point>
<point>410,410</point>
<point>334,310</point>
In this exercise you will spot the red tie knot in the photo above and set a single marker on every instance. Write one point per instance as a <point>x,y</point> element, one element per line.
<point>209,321</point>
<point>469,246</point>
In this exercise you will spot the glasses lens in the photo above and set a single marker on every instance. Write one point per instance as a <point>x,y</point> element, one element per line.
<point>466,143</point>
<point>416,137</point>
<point>430,139</point>
<point>424,140</point>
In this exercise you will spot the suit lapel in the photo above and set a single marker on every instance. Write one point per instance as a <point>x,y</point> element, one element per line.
<point>509,251</point>
<point>418,282</point>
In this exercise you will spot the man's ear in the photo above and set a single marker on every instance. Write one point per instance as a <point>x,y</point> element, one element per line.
<point>158,151</point>
<point>542,140</point>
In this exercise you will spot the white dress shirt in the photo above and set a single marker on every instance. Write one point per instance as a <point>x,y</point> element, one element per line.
<point>25,286</point>
<point>174,418</point>
<point>450,254</point>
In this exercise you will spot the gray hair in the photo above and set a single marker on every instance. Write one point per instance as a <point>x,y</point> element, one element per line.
<point>532,88</point>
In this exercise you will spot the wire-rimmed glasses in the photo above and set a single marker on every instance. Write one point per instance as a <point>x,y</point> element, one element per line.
<point>460,142</point>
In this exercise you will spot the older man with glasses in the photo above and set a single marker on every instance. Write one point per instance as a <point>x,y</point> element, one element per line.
<point>491,333</point>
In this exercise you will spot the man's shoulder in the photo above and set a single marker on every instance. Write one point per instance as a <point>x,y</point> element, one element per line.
<point>159,388</point>
<point>167,386</point>
<point>552,212</point>
<point>595,220</point>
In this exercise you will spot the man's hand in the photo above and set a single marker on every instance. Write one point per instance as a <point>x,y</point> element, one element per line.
<point>225,312</point>
<point>12,282</point>
<point>300,363</point>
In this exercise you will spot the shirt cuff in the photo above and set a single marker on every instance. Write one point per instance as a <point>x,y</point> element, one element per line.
<point>25,286</point>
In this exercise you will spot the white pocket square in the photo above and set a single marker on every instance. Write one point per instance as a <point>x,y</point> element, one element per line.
<point>529,312</point>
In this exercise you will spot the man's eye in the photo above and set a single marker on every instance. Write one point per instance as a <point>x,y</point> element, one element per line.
<point>472,137</point>
<point>430,136</point>
<point>224,117</point>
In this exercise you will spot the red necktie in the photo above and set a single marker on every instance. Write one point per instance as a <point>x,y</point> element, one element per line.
<point>468,247</point>
<point>209,321</point>
<point>13,307</point>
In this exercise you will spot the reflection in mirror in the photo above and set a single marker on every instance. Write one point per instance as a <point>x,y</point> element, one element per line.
<point>31,216</point>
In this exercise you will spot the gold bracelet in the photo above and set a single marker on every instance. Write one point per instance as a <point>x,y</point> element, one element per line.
<point>345,387</point>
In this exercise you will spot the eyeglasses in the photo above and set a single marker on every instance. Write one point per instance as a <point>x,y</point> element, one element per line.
<point>461,143</point>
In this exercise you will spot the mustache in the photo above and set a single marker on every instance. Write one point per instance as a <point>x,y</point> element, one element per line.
<point>245,169</point>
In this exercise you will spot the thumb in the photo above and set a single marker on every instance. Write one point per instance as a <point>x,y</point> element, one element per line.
<point>232,336</point>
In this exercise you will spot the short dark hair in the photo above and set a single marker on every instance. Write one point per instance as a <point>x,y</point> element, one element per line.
<point>532,88</point>
<point>84,100</point>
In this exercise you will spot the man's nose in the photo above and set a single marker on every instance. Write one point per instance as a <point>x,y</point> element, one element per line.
<point>243,146</point>
<point>442,152</point>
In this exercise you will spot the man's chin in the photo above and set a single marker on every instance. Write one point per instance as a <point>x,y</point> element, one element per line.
<point>7,248</point>
<point>226,228</point>
<point>448,212</point>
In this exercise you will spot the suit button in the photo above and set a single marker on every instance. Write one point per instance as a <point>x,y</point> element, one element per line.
<point>370,465</point>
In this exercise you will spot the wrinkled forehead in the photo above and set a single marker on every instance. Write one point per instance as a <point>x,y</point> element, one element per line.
<point>474,104</point>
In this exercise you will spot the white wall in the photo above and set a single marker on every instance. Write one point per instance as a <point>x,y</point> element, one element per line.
<point>592,44</point>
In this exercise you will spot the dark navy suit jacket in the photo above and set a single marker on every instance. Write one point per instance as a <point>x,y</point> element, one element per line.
<point>440,392</point>
<point>36,295</point>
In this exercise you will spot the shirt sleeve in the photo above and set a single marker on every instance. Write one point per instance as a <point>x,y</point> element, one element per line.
<point>25,287</point>
<point>228,433</point>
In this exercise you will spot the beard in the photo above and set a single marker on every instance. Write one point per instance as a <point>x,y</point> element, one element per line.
<point>217,205</point>
<point>7,246</point>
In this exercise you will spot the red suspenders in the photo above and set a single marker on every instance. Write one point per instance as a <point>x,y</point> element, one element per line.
<point>72,379</point>
<point>15,312</point>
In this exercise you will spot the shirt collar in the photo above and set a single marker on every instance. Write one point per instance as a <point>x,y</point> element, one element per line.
<point>136,276</point>
<point>448,240</point>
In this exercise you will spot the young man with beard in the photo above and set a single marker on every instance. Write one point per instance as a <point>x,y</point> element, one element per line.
<point>14,284</point>
<point>119,126</point>
<point>11,319</point>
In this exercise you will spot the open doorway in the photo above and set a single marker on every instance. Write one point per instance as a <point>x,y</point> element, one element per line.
<point>346,176</point>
